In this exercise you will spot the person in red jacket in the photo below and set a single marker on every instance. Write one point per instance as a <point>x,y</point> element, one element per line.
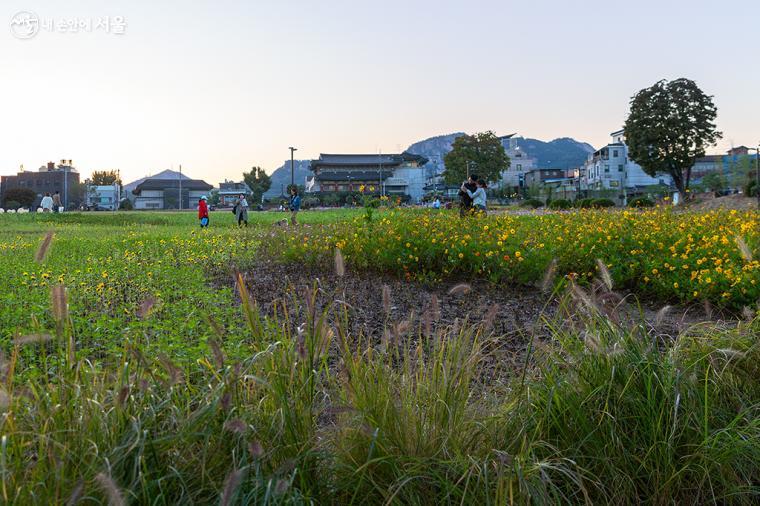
<point>203,212</point>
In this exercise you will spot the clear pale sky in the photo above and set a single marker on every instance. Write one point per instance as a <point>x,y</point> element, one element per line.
<point>220,86</point>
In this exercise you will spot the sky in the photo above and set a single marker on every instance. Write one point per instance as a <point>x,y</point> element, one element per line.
<point>221,86</point>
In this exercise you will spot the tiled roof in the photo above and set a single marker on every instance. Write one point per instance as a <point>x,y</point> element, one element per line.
<point>352,175</point>
<point>163,184</point>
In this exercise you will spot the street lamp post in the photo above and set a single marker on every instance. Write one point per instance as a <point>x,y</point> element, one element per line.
<point>292,170</point>
<point>757,173</point>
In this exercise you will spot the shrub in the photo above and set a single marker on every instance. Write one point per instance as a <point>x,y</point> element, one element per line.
<point>599,203</point>
<point>750,189</point>
<point>560,204</point>
<point>641,202</point>
<point>584,203</point>
<point>12,204</point>
<point>126,205</point>
<point>534,203</point>
<point>23,197</point>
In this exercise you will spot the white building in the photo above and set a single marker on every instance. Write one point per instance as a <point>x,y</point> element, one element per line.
<point>520,162</point>
<point>103,196</point>
<point>609,168</point>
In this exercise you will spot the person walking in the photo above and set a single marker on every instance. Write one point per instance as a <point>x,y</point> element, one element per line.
<point>241,210</point>
<point>465,200</point>
<point>478,196</point>
<point>295,205</point>
<point>203,212</point>
<point>47,203</point>
<point>57,202</point>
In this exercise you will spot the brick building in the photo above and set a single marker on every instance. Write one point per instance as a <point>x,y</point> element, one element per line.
<point>49,178</point>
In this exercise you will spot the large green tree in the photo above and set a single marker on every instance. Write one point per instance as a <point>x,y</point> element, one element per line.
<point>105,177</point>
<point>484,154</point>
<point>258,181</point>
<point>669,126</point>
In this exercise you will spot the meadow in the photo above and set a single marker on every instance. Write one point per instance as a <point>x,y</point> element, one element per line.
<point>137,366</point>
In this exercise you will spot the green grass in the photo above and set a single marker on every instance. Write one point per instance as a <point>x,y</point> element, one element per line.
<point>165,386</point>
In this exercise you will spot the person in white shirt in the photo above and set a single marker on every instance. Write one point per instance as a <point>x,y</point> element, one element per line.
<point>478,196</point>
<point>47,203</point>
<point>436,203</point>
<point>241,210</point>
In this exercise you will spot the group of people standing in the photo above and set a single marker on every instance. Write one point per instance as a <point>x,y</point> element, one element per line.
<point>51,204</point>
<point>472,196</point>
<point>240,209</point>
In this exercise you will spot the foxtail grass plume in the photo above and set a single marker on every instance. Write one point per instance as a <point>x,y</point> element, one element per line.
<point>112,491</point>
<point>340,266</point>
<point>231,485</point>
<point>460,289</point>
<point>435,308</point>
<point>76,494</point>
<point>604,273</point>
<point>33,339</point>
<point>255,449</point>
<point>490,317</point>
<point>549,275</point>
<point>5,399</point>
<point>59,303</point>
<point>660,316</point>
<point>744,248</point>
<point>44,248</point>
<point>387,299</point>
<point>235,425</point>
<point>146,307</point>
<point>217,351</point>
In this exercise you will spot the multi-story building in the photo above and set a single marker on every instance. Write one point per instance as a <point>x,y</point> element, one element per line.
<point>229,191</point>
<point>105,197</point>
<point>609,168</point>
<point>169,193</point>
<point>49,178</point>
<point>520,163</point>
<point>396,174</point>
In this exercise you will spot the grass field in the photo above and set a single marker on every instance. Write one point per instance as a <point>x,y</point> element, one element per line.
<point>137,368</point>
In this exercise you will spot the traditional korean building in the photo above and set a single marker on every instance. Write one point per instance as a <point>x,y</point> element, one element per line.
<point>394,174</point>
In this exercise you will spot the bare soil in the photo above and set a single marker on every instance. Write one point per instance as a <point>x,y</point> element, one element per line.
<point>514,313</point>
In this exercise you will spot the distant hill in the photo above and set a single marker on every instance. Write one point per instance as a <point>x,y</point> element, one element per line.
<point>559,153</point>
<point>281,177</point>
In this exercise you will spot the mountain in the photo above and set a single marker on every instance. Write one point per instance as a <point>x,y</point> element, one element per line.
<point>167,174</point>
<point>560,153</point>
<point>281,177</point>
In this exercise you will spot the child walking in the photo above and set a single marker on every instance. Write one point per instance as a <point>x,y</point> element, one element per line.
<point>203,212</point>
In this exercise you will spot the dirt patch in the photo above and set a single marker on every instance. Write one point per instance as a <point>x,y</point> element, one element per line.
<point>738,202</point>
<point>513,313</point>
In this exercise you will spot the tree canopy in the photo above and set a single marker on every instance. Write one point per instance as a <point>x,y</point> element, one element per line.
<point>484,153</point>
<point>24,197</point>
<point>105,177</point>
<point>258,181</point>
<point>669,126</point>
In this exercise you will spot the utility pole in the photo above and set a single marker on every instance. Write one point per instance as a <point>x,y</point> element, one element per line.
<point>757,173</point>
<point>380,165</point>
<point>180,186</point>
<point>292,170</point>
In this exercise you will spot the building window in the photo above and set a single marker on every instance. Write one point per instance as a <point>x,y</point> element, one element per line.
<point>615,153</point>
<point>620,168</point>
<point>519,167</point>
<point>606,169</point>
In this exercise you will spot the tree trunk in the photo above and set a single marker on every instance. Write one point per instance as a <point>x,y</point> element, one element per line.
<point>677,176</point>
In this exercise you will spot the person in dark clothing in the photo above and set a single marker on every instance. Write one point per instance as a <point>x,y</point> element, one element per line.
<point>294,206</point>
<point>465,201</point>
